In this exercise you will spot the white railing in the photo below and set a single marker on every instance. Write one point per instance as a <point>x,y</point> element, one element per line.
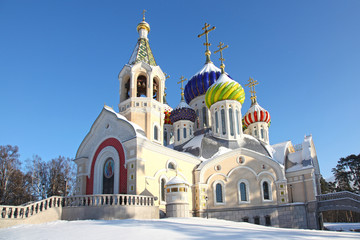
<point>19,212</point>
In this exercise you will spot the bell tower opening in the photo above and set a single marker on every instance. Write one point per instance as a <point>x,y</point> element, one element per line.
<point>141,86</point>
<point>156,89</point>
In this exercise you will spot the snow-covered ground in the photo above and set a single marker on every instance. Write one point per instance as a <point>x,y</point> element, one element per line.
<point>169,228</point>
<point>343,226</point>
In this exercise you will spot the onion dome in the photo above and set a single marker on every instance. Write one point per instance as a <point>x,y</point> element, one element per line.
<point>224,89</point>
<point>183,112</point>
<point>256,114</point>
<point>167,111</point>
<point>201,81</point>
<point>143,25</point>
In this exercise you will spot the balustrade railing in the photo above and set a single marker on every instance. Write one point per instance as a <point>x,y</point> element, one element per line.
<point>338,195</point>
<point>19,212</point>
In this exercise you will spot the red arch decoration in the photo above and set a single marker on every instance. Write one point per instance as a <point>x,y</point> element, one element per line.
<point>112,142</point>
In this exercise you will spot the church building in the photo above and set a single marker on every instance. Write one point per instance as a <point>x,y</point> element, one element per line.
<point>209,156</point>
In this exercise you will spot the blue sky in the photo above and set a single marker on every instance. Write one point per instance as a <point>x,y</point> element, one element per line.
<point>59,62</point>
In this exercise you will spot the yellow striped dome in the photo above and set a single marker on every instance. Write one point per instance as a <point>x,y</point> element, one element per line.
<point>224,89</point>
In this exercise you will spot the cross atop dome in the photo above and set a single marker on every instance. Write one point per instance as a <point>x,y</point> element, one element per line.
<point>252,83</point>
<point>182,80</point>
<point>207,44</point>
<point>144,15</point>
<point>222,66</point>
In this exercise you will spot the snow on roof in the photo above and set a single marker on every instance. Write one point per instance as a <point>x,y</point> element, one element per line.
<point>298,167</point>
<point>280,151</point>
<point>208,67</point>
<point>268,148</point>
<point>183,104</point>
<point>138,130</point>
<point>194,142</point>
<point>176,180</point>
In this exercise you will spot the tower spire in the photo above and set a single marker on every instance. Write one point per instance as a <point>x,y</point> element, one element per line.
<point>252,83</point>
<point>207,44</point>
<point>222,66</point>
<point>182,80</point>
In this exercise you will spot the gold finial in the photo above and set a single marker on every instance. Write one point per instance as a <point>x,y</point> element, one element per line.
<point>252,83</point>
<point>207,44</point>
<point>222,66</point>
<point>182,79</point>
<point>144,15</point>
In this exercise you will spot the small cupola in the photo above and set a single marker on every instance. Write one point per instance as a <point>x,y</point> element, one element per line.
<point>256,120</point>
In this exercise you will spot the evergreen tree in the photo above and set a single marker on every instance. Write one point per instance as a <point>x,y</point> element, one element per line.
<point>347,174</point>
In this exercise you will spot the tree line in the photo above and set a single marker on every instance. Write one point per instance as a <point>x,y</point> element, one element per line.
<point>37,179</point>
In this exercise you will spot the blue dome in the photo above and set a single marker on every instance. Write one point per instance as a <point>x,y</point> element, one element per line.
<point>183,112</point>
<point>201,81</point>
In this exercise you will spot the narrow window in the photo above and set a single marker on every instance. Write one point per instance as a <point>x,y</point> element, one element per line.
<point>245,219</point>
<point>162,189</point>
<point>155,132</point>
<point>190,131</point>
<point>178,134</point>
<point>204,117</point>
<point>257,220</point>
<point>223,125</point>
<point>267,221</point>
<point>243,194</point>
<point>197,118</point>
<point>165,138</point>
<point>255,132</point>
<point>266,191</point>
<point>237,122</point>
<point>262,133</point>
<point>184,133</point>
<point>231,122</point>
<point>219,196</point>
<point>216,122</point>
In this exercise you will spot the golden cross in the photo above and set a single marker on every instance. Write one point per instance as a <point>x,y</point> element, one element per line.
<point>252,83</point>
<point>182,79</point>
<point>207,44</point>
<point>222,66</point>
<point>144,15</point>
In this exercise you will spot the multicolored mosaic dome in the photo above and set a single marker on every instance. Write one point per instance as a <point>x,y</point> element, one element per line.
<point>167,111</point>
<point>224,89</point>
<point>183,112</point>
<point>256,114</point>
<point>201,81</point>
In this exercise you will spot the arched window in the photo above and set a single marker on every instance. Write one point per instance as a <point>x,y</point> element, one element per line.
<point>184,133</point>
<point>262,133</point>
<point>223,124</point>
<point>216,122</point>
<point>178,134</point>
<point>162,189</point>
<point>205,123</point>
<point>231,122</point>
<point>243,192</point>
<point>165,138</point>
<point>219,193</point>
<point>255,133</point>
<point>156,136</point>
<point>171,165</point>
<point>190,131</point>
<point>237,122</point>
<point>266,191</point>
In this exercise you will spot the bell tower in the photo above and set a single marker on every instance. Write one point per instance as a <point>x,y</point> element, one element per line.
<point>142,84</point>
